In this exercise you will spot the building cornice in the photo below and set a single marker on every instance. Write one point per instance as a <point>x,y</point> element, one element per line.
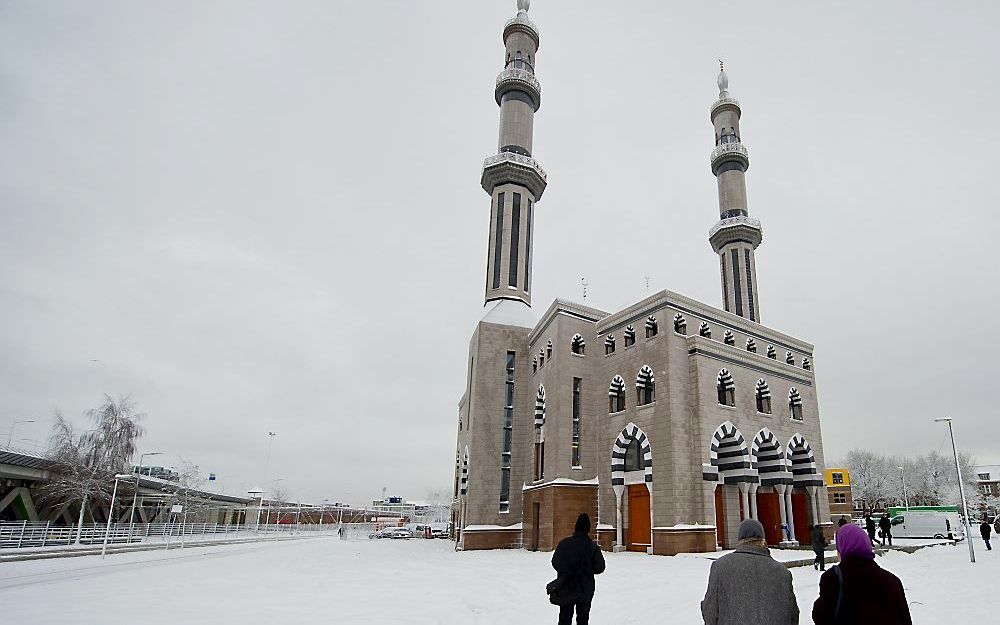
<point>716,350</point>
<point>561,306</point>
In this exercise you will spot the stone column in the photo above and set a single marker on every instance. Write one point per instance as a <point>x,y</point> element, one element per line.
<point>744,489</point>
<point>619,490</point>
<point>753,500</point>
<point>790,513</point>
<point>649,487</point>
<point>814,497</point>
<point>780,489</point>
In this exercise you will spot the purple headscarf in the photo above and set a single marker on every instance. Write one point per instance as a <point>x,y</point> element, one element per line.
<point>853,542</point>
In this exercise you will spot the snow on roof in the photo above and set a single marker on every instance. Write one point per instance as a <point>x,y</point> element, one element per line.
<point>562,481</point>
<point>509,312</point>
<point>685,526</point>
<point>484,528</point>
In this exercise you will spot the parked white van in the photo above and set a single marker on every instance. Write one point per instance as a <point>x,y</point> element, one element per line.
<point>926,524</point>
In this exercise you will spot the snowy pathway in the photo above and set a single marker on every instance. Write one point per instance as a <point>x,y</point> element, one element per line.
<point>423,582</point>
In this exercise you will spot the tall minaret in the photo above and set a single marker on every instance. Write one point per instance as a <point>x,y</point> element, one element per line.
<point>735,237</point>
<point>514,180</point>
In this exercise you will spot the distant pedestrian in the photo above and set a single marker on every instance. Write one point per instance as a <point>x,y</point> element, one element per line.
<point>340,532</point>
<point>766,600</point>
<point>984,529</point>
<point>577,559</point>
<point>870,527</point>
<point>819,547</point>
<point>858,590</point>
<point>885,529</point>
<point>842,522</point>
<point>996,525</point>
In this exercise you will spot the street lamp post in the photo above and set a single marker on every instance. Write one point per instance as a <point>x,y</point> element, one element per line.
<point>135,495</point>
<point>11,436</point>
<point>111,514</point>
<point>906,500</point>
<point>961,489</point>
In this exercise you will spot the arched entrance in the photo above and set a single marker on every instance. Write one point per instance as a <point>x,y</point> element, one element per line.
<point>767,457</point>
<point>729,460</point>
<point>807,485</point>
<point>632,474</point>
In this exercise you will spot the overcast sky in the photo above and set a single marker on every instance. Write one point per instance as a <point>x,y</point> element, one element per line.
<point>267,216</point>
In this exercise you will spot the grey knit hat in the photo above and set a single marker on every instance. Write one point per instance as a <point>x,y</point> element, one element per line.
<point>750,528</point>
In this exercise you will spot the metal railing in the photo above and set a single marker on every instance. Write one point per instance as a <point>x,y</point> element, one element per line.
<point>724,149</point>
<point>739,220</point>
<point>19,535</point>
<point>513,157</point>
<point>522,75</point>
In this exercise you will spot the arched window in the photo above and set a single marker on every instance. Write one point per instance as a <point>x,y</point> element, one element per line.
<point>645,386</point>
<point>751,346</point>
<point>806,364</point>
<point>651,327</point>
<point>534,364</point>
<point>540,406</point>
<point>704,330</point>
<point>680,324</point>
<point>789,358</point>
<point>773,355</point>
<point>578,345</point>
<point>795,404</point>
<point>541,358</point>
<point>616,395</point>
<point>629,335</point>
<point>548,349</point>
<point>609,345</point>
<point>728,338</point>
<point>763,397</point>
<point>726,388</point>
<point>633,459</point>
<point>517,60</point>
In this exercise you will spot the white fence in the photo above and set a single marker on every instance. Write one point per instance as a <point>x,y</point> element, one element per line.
<point>15,535</point>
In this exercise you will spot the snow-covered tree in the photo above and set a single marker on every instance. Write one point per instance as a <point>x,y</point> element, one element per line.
<point>84,464</point>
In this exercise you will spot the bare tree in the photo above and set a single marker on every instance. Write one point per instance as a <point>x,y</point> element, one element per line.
<point>84,464</point>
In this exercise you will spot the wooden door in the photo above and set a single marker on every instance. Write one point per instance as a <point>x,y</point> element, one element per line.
<point>638,518</point>
<point>536,520</point>
<point>801,511</point>
<point>769,516</point>
<point>720,515</point>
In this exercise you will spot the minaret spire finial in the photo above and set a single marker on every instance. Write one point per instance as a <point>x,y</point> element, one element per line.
<point>723,81</point>
<point>523,6</point>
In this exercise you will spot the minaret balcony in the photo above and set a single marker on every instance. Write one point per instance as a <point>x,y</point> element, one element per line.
<point>738,228</point>
<point>726,152</point>
<point>521,23</point>
<point>514,168</point>
<point>519,80</point>
<point>724,103</point>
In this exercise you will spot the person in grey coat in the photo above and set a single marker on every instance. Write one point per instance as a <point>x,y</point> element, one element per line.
<point>749,586</point>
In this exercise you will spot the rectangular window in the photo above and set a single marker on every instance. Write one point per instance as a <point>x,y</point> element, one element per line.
<point>838,478</point>
<point>576,421</point>
<point>736,283</point>
<point>515,239</point>
<point>508,419</point>
<point>498,242</point>
<point>753,317</point>
<point>840,498</point>
<point>527,250</point>
<point>725,284</point>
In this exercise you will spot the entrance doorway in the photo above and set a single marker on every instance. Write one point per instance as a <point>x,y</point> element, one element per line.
<point>801,511</point>
<point>536,521</point>
<point>720,516</point>
<point>638,518</point>
<point>769,516</point>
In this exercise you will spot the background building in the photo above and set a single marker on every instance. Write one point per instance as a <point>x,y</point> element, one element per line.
<point>838,488</point>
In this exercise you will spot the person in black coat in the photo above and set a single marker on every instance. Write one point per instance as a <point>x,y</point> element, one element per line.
<point>984,529</point>
<point>870,527</point>
<point>842,522</point>
<point>577,559</point>
<point>885,525</point>
<point>819,547</point>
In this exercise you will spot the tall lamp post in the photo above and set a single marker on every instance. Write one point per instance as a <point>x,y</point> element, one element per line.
<point>111,513</point>
<point>10,437</point>
<point>961,489</point>
<point>906,500</point>
<point>135,495</point>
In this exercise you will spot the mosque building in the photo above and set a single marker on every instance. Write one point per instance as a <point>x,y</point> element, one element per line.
<point>668,421</point>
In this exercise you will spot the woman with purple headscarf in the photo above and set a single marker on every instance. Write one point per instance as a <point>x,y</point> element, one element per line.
<point>858,590</point>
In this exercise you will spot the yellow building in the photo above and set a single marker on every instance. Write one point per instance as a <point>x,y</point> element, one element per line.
<point>838,488</point>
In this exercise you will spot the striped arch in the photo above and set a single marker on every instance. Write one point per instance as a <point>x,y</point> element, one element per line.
<point>704,330</point>
<point>548,349</point>
<point>728,338</point>
<point>752,346</point>
<point>617,386</point>
<point>616,395</point>
<point>629,335</point>
<point>771,353</point>
<point>789,358</point>
<point>577,344</point>
<point>609,344</point>
<point>540,407</point>
<point>651,326</point>
<point>680,324</point>
<point>767,456</point>
<point>465,472</point>
<point>628,434</point>
<point>802,462</point>
<point>806,364</point>
<point>729,456</point>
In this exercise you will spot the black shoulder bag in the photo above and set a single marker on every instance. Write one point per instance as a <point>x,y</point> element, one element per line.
<point>566,589</point>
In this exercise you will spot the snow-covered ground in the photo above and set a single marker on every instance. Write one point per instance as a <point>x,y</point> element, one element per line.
<point>424,581</point>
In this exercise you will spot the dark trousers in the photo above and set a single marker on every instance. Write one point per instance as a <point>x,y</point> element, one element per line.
<point>582,613</point>
<point>988,547</point>
<point>887,538</point>
<point>820,560</point>
<point>871,537</point>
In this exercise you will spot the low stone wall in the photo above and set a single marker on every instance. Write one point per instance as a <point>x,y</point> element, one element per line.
<point>606,538</point>
<point>473,540</point>
<point>558,506</point>
<point>670,541</point>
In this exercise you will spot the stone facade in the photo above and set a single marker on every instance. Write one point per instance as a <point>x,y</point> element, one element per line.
<point>668,421</point>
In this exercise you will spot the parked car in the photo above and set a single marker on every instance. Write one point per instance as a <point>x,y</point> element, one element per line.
<point>927,524</point>
<point>391,532</point>
<point>439,533</point>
